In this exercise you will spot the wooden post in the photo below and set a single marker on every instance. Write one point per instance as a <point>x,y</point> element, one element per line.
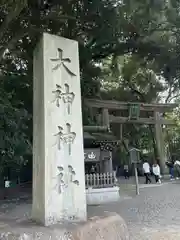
<point>91,113</point>
<point>100,162</point>
<point>110,163</point>
<point>136,179</point>
<point>105,122</point>
<point>134,157</point>
<point>105,118</point>
<point>121,131</point>
<point>160,142</point>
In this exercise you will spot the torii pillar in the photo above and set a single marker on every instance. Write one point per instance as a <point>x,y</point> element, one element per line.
<point>160,142</point>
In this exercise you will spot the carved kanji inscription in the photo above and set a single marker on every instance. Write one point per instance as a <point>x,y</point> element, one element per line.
<point>60,62</point>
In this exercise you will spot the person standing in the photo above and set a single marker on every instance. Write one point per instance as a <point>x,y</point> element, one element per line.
<point>92,169</point>
<point>156,172</point>
<point>177,169</point>
<point>146,169</point>
<point>126,171</point>
<point>6,187</point>
<point>170,165</point>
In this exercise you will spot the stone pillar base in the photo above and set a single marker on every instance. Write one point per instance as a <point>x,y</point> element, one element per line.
<point>108,227</point>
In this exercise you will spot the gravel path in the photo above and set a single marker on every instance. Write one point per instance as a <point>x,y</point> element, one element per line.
<point>151,215</point>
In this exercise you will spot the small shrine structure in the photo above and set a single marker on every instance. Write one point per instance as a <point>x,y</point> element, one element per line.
<point>98,148</point>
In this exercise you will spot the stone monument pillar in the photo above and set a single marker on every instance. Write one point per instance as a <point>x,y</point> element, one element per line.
<point>58,156</point>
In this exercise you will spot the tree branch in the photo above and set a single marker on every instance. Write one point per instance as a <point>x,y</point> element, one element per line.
<point>169,94</point>
<point>14,13</point>
<point>145,49</point>
<point>173,97</point>
<point>11,43</point>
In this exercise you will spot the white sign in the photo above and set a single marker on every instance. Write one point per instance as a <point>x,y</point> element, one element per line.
<point>7,184</point>
<point>92,155</point>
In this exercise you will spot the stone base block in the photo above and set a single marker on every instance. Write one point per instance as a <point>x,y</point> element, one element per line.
<point>109,227</point>
<point>102,195</point>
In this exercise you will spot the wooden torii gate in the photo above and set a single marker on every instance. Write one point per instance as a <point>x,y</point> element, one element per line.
<point>154,112</point>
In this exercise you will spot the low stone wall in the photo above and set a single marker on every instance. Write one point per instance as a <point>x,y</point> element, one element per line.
<point>96,196</point>
<point>111,227</point>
